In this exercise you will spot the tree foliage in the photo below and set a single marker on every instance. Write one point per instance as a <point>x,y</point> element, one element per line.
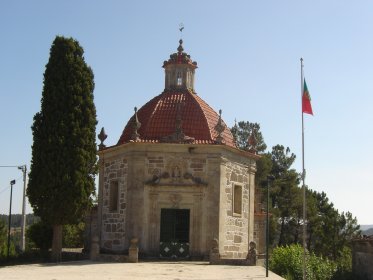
<point>263,169</point>
<point>64,150</point>
<point>16,220</point>
<point>241,133</point>
<point>329,233</point>
<point>243,130</point>
<point>61,180</point>
<point>285,195</point>
<point>73,235</point>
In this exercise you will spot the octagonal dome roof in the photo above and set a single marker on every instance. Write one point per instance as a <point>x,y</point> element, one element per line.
<point>177,117</point>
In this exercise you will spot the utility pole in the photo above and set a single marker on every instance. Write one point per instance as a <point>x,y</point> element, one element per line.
<point>10,215</point>
<point>270,178</point>
<point>23,224</point>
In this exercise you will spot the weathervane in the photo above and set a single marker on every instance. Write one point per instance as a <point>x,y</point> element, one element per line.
<point>181,28</point>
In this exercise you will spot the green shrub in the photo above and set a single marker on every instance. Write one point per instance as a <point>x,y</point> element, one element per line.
<point>41,234</point>
<point>3,239</point>
<point>288,262</point>
<point>344,265</point>
<point>73,235</point>
<point>4,242</point>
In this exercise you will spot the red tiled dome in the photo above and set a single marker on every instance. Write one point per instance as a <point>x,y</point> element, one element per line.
<point>177,115</point>
<point>159,116</point>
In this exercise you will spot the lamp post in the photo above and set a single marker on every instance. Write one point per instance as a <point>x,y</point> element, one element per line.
<point>23,168</point>
<point>269,179</point>
<point>10,214</point>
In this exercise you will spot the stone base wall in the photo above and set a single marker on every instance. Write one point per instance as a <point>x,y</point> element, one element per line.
<point>229,262</point>
<point>112,258</point>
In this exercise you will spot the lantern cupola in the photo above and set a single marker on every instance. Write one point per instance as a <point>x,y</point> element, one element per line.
<point>179,71</point>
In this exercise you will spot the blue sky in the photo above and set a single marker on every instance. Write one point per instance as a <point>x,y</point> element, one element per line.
<point>248,53</point>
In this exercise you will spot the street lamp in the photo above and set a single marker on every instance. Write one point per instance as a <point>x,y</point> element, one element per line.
<point>269,179</point>
<point>23,168</point>
<point>10,214</point>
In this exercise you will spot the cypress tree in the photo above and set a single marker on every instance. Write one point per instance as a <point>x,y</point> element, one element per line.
<point>61,179</point>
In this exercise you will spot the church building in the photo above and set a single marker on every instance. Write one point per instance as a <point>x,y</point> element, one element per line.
<point>176,182</point>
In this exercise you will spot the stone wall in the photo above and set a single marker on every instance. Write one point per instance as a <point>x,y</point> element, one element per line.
<point>113,222</point>
<point>201,178</point>
<point>362,258</point>
<point>260,232</point>
<point>235,237</point>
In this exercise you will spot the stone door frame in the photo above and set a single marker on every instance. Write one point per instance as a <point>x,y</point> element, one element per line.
<point>189,198</point>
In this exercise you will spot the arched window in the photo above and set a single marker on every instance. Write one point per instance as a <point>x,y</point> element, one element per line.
<point>179,79</point>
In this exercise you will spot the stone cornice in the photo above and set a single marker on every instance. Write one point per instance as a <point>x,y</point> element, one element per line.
<point>168,147</point>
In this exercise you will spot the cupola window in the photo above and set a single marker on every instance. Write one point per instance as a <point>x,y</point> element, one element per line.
<point>179,79</point>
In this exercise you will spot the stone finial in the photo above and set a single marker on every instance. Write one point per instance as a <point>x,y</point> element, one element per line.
<point>133,251</point>
<point>180,47</point>
<point>102,136</point>
<point>136,125</point>
<point>252,142</point>
<point>215,245</point>
<point>134,242</point>
<point>214,252</point>
<point>178,136</point>
<point>219,128</point>
<point>252,255</point>
<point>235,131</point>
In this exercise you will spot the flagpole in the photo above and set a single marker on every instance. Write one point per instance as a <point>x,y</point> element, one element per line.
<point>303,177</point>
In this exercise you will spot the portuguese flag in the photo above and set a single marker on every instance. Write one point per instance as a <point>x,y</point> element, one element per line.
<point>306,100</point>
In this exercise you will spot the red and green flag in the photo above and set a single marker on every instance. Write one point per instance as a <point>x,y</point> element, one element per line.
<point>306,100</point>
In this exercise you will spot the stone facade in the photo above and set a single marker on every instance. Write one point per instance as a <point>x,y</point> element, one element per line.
<point>199,178</point>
